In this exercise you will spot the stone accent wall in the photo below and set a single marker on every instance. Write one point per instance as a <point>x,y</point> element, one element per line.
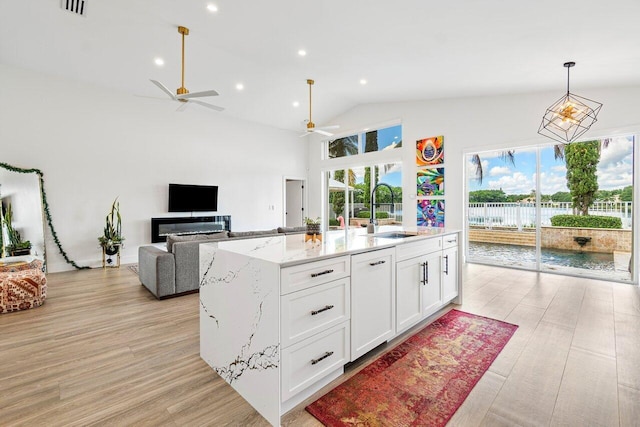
<point>602,240</point>
<point>503,237</point>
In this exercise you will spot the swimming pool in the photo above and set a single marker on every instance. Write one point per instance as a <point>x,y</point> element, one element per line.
<point>525,256</point>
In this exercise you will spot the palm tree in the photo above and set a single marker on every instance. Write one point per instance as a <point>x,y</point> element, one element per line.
<point>341,147</point>
<point>507,156</point>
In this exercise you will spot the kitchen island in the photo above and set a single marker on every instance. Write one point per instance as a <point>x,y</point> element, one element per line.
<point>280,317</point>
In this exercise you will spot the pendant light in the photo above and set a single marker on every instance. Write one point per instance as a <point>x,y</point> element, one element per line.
<point>570,116</point>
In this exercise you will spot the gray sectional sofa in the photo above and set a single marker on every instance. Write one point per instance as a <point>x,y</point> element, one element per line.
<point>175,271</point>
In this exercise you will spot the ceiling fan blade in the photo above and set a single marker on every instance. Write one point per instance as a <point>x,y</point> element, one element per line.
<point>182,107</point>
<point>206,104</point>
<point>328,127</point>
<point>305,134</point>
<point>164,89</point>
<point>198,94</point>
<point>322,132</point>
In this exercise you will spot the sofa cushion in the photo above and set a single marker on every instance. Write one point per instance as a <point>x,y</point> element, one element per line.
<point>175,238</point>
<point>292,230</point>
<point>233,234</point>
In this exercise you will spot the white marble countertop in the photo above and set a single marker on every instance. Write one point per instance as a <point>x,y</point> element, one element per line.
<point>292,249</point>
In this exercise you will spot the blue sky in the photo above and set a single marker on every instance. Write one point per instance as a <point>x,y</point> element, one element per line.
<point>388,136</point>
<point>615,170</point>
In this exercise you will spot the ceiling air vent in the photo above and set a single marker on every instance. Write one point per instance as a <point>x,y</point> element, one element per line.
<point>74,6</point>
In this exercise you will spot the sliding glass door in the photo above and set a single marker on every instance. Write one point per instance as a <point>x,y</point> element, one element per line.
<point>557,208</point>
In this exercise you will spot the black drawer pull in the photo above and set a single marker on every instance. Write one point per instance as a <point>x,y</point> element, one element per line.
<point>377,262</point>
<point>325,308</point>
<point>451,241</point>
<point>321,358</point>
<point>321,273</point>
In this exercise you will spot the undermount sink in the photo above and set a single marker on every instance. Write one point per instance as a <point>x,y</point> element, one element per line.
<point>394,234</point>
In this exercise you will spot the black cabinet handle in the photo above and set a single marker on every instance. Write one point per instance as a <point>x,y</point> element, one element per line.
<point>377,262</point>
<point>319,359</point>
<point>321,273</point>
<point>325,308</point>
<point>446,264</point>
<point>426,272</point>
<point>451,241</point>
<point>424,275</point>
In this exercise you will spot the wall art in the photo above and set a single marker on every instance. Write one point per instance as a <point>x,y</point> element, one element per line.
<point>430,151</point>
<point>430,182</point>
<point>431,213</point>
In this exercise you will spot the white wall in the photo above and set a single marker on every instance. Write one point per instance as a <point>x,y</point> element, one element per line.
<point>94,145</point>
<point>470,125</point>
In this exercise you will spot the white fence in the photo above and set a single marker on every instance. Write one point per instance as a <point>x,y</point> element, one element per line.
<point>380,207</point>
<point>524,214</point>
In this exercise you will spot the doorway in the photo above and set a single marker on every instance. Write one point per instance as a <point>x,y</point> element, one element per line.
<point>294,197</point>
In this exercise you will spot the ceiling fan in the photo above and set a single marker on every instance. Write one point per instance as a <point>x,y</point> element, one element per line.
<point>182,94</point>
<point>311,127</point>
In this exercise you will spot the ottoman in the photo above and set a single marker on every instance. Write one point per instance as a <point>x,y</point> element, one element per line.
<point>22,286</point>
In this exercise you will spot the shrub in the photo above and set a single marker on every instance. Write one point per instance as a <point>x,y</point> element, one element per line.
<point>586,221</point>
<point>379,214</point>
<point>333,222</point>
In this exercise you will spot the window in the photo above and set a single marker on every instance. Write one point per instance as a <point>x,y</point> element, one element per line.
<point>366,142</point>
<point>349,187</point>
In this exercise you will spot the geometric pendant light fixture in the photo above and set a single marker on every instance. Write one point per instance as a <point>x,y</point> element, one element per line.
<point>570,116</point>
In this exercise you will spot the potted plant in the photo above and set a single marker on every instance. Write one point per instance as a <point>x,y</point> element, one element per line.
<point>16,246</point>
<point>111,239</point>
<point>313,226</point>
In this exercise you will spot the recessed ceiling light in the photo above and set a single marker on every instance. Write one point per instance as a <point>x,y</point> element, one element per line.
<point>295,104</point>
<point>363,82</point>
<point>159,62</point>
<point>239,86</point>
<point>302,52</point>
<point>212,7</point>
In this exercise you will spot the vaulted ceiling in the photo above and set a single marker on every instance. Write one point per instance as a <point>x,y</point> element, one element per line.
<point>406,50</point>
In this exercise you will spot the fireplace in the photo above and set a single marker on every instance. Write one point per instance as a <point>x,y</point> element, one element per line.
<point>161,227</point>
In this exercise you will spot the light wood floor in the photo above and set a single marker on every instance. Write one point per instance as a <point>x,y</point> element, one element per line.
<point>103,351</point>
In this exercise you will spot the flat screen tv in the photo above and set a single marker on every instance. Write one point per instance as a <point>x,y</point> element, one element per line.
<point>193,198</point>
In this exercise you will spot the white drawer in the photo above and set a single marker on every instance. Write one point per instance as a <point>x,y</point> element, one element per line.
<point>414,249</point>
<point>313,273</point>
<point>307,312</point>
<point>308,361</point>
<point>449,241</point>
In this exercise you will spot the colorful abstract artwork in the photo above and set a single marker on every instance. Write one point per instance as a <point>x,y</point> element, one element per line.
<point>430,151</point>
<point>431,213</point>
<point>430,182</point>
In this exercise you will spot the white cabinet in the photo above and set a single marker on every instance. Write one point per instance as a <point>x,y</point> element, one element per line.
<point>432,286</point>
<point>307,312</point>
<point>315,333</point>
<point>418,283</point>
<point>308,361</point>
<point>450,267</point>
<point>409,277</point>
<point>372,300</point>
<point>314,273</point>
<point>449,274</point>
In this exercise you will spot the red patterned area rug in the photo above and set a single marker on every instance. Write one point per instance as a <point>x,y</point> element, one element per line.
<point>421,382</point>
